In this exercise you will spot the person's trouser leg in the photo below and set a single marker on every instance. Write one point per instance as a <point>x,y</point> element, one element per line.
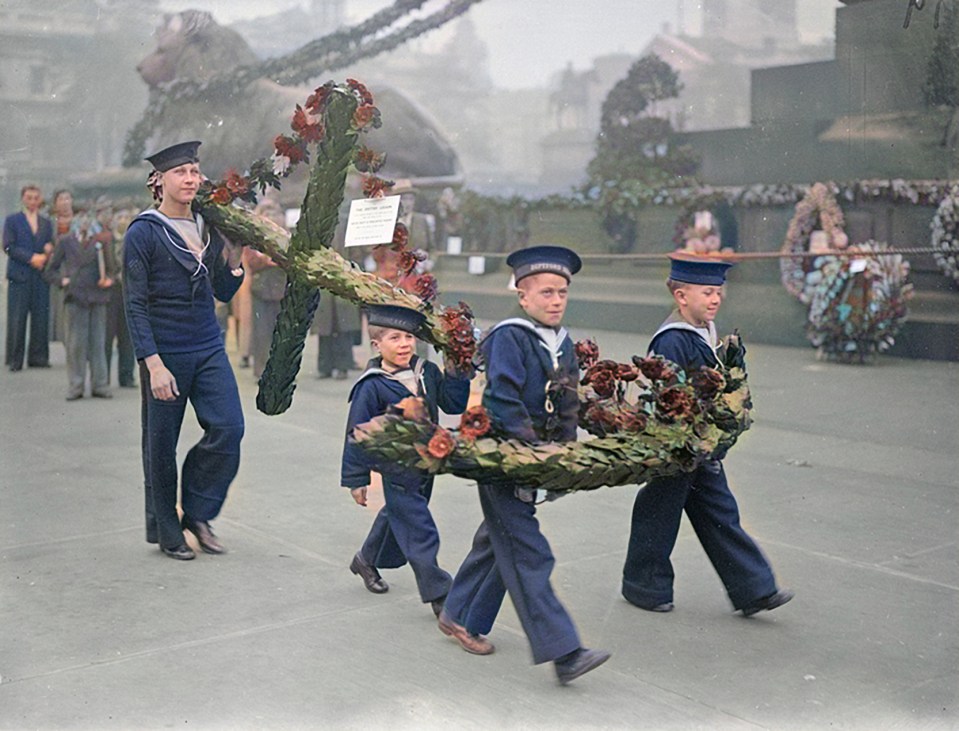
<point>714,515</point>
<point>212,463</point>
<point>18,307</point>
<point>96,350</point>
<point>152,530</point>
<point>525,562</point>
<point>657,513</point>
<point>77,339</point>
<point>477,591</point>
<point>38,353</point>
<point>416,535</point>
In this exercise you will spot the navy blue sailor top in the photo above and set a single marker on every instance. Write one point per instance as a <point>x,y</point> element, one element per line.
<point>168,294</point>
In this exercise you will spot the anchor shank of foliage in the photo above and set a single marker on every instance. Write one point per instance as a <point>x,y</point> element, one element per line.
<point>313,232</point>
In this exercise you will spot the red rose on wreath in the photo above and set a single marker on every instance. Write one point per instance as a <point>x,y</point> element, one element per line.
<point>236,183</point>
<point>317,100</point>
<point>627,373</point>
<point>587,353</point>
<point>363,115</point>
<point>631,421</point>
<point>675,403</point>
<point>222,196</point>
<point>305,126</point>
<point>441,444</point>
<point>708,382</point>
<point>374,187</point>
<point>474,423</point>
<point>368,161</point>
<point>425,287</point>
<point>600,419</point>
<point>654,368</point>
<point>288,147</point>
<point>401,235</point>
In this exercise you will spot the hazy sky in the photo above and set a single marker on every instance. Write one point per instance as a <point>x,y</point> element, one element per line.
<point>529,40</point>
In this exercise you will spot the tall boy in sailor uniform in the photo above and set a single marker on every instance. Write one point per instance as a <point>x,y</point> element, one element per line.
<point>531,395</point>
<point>688,338</point>
<point>403,529</point>
<point>173,268</point>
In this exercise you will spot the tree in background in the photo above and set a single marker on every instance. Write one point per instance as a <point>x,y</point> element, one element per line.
<point>637,147</point>
<point>942,72</point>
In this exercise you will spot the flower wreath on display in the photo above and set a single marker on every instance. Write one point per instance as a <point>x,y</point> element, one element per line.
<point>857,305</point>
<point>648,417</point>
<point>818,210</point>
<point>945,234</point>
<point>695,232</point>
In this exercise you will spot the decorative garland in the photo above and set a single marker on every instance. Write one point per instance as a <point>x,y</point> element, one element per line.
<point>856,306</point>
<point>817,210</point>
<point>650,419</point>
<point>328,126</point>
<point>945,234</point>
<point>329,53</point>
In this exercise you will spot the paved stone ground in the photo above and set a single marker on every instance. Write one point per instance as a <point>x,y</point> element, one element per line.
<point>848,480</point>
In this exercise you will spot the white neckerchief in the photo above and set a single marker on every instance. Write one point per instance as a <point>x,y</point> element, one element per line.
<point>551,339</point>
<point>191,231</point>
<point>411,378</point>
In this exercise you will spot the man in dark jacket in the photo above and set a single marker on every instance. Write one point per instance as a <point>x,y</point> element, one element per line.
<point>28,241</point>
<point>531,395</point>
<point>173,268</point>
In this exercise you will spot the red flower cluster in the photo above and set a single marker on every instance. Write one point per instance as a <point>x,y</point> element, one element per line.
<point>601,421</point>
<point>364,115</point>
<point>626,373</point>
<point>602,376</point>
<point>316,102</point>
<point>308,128</point>
<point>458,325</point>
<point>288,147</point>
<point>363,94</point>
<point>675,403</point>
<point>654,368</point>
<point>401,236</point>
<point>708,382</point>
<point>407,262</point>
<point>631,421</point>
<point>238,185</point>
<point>221,196</point>
<point>375,187</point>
<point>474,423</point>
<point>441,444</point>
<point>425,287</point>
<point>367,160</point>
<point>587,353</point>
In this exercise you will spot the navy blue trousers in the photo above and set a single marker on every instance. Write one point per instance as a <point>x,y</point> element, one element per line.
<point>403,531</point>
<point>29,299</point>
<point>206,380</point>
<point>510,553</point>
<point>714,515</point>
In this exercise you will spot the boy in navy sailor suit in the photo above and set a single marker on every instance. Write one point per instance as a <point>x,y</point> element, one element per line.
<point>531,395</point>
<point>173,269</point>
<point>688,338</point>
<point>404,529</point>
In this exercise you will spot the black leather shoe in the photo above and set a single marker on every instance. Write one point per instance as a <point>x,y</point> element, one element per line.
<point>579,663</point>
<point>768,603</point>
<point>371,577</point>
<point>181,553</point>
<point>204,535</point>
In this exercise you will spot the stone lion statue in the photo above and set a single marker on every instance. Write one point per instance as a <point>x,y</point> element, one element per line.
<point>238,128</point>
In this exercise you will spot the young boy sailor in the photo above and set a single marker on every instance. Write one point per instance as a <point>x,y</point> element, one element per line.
<point>404,529</point>
<point>531,395</point>
<point>688,338</point>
